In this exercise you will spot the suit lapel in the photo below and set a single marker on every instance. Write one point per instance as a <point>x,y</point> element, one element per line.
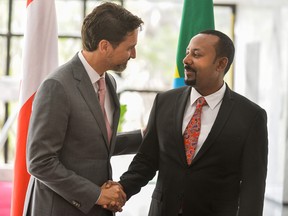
<point>220,121</point>
<point>180,106</point>
<point>88,93</point>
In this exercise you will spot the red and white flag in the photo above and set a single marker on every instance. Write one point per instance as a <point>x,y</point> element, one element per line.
<point>40,57</point>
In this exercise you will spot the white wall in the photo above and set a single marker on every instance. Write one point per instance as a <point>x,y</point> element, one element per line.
<point>261,68</point>
<point>253,2</point>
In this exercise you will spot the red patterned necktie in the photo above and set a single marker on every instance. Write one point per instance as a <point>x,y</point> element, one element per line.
<point>101,96</point>
<point>192,131</point>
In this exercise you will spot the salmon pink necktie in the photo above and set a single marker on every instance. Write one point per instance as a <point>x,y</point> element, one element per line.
<point>101,96</point>
<point>192,131</point>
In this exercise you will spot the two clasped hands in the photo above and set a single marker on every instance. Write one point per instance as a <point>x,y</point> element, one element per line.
<point>112,196</point>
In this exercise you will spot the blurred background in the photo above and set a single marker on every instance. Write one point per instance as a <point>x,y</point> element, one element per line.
<point>259,29</point>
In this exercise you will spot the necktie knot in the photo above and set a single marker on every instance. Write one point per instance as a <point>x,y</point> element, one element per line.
<point>200,102</point>
<point>101,84</point>
<point>101,94</point>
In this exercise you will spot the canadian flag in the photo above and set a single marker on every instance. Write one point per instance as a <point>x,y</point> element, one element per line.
<point>40,57</point>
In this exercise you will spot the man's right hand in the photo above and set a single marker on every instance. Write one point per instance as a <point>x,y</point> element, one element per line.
<point>112,196</point>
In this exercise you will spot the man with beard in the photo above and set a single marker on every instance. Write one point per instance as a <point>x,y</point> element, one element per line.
<point>210,162</point>
<point>72,133</point>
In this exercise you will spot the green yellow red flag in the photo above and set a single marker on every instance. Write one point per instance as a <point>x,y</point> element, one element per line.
<point>197,15</point>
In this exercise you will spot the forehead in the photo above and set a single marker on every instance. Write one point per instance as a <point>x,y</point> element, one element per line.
<point>204,42</point>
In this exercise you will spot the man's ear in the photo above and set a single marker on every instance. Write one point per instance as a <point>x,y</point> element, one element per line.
<point>222,64</point>
<point>104,46</point>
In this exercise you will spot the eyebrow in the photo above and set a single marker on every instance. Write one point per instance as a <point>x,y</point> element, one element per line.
<point>193,50</point>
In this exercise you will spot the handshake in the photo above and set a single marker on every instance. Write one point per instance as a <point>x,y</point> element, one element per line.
<point>112,196</point>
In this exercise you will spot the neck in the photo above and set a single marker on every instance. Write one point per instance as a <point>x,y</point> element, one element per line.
<point>95,61</point>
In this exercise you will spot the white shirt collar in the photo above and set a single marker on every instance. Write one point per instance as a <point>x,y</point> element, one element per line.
<point>93,75</point>
<point>212,99</point>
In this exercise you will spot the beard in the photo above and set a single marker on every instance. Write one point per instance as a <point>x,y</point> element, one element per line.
<point>190,81</point>
<point>120,67</point>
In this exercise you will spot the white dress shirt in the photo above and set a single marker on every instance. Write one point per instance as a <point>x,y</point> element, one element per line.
<point>94,77</point>
<point>208,115</point>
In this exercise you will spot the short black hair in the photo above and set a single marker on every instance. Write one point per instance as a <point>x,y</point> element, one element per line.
<point>224,47</point>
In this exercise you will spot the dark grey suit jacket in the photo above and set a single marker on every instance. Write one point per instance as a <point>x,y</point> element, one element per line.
<point>227,176</point>
<point>68,154</point>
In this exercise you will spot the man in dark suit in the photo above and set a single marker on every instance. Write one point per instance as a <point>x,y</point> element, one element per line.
<point>71,137</point>
<point>228,170</point>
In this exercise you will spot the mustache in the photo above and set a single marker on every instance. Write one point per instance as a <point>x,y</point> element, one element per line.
<point>188,68</point>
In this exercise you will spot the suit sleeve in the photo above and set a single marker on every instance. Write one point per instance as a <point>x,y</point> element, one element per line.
<point>145,163</point>
<point>254,168</point>
<point>48,125</point>
<point>127,142</point>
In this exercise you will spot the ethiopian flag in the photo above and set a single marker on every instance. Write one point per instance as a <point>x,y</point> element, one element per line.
<point>197,15</point>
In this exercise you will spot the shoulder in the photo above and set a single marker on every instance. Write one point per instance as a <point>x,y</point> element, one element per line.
<point>243,102</point>
<point>175,92</point>
<point>71,71</point>
<point>172,96</point>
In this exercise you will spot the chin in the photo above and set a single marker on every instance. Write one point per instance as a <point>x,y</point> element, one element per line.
<point>119,68</point>
<point>190,82</point>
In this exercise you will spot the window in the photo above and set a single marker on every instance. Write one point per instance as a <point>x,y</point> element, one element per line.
<point>152,71</point>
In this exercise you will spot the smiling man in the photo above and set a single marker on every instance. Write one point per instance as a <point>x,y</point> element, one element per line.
<point>74,121</point>
<point>208,143</point>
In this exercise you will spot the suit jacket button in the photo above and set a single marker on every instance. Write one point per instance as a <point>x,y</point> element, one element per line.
<point>75,203</point>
